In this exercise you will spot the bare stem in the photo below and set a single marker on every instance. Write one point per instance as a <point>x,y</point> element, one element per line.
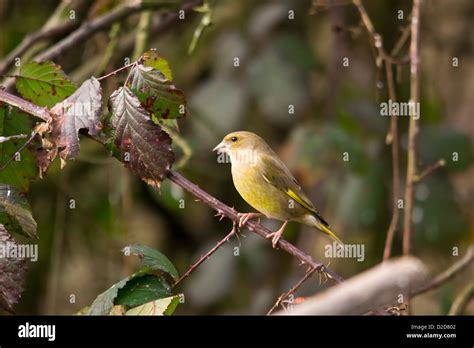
<point>461,302</point>
<point>428,170</point>
<point>116,71</point>
<point>207,255</point>
<point>413,126</point>
<point>26,106</point>
<point>293,289</point>
<point>450,273</point>
<point>395,166</point>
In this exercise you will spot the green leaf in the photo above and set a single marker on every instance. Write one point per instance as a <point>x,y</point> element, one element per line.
<point>15,212</point>
<point>138,288</point>
<point>105,301</point>
<point>156,93</point>
<point>152,59</point>
<point>154,259</point>
<point>79,111</point>
<point>19,172</point>
<point>138,142</point>
<point>164,306</point>
<point>141,290</point>
<point>43,83</point>
<point>12,273</point>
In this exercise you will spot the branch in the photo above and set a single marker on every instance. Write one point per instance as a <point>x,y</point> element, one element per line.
<point>58,25</point>
<point>450,273</point>
<point>395,165</point>
<point>127,43</point>
<point>11,137</point>
<point>89,28</point>
<point>254,227</point>
<point>116,71</point>
<point>413,126</point>
<point>460,303</point>
<point>427,171</point>
<point>207,255</point>
<point>31,39</point>
<point>26,106</point>
<point>371,289</point>
<point>20,149</point>
<point>279,301</point>
<point>392,135</point>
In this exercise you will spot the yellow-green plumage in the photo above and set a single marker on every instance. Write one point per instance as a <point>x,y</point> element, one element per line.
<point>264,181</point>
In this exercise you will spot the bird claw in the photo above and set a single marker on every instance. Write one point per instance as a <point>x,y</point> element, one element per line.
<point>275,237</point>
<point>244,217</point>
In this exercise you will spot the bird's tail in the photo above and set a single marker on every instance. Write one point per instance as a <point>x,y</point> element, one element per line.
<point>325,229</point>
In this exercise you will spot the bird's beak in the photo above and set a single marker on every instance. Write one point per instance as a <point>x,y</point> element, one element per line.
<point>220,147</point>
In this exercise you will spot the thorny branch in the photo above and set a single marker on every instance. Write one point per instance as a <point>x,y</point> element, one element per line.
<point>252,226</point>
<point>309,272</point>
<point>208,254</point>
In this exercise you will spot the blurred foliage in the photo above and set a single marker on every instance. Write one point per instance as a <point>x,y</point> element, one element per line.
<point>281,62</point>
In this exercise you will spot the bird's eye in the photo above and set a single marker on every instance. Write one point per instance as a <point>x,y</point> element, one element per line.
<point>234,139</point>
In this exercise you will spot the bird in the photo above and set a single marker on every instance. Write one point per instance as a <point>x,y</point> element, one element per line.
<point>264,182</point>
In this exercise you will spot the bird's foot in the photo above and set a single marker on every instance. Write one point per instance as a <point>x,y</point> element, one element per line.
<point>244,217</point>
<point>275,236</point>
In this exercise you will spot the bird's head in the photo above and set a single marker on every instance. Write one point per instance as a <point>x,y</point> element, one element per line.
<point>241,145</point>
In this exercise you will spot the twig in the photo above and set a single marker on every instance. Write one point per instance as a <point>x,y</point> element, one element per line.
<point>26,106</point>
<point>254,227</point>
<point>460,303</point>
<point>395,166</point>
<point>126,44</point>
<point>207,255</point>
<point>439,163</point>
<point>375,38</point>
<point>20,149</point>
<point>11,137</point>
<point>89,28</point>
<point>57,26</point>
<point>450,273</point>
<point>34,38</point>
<point>309,272</point>
<point>116,71</point>
<point>413,126</point>
<point>401,41</point>
<point>392,135</point>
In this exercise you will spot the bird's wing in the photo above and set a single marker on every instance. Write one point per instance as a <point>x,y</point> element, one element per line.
<point>276,173</point>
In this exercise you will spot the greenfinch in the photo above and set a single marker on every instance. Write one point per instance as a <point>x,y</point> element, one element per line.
<point>265,183</point>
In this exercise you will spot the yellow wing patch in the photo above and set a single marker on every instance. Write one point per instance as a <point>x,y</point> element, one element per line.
<point>300,200</point>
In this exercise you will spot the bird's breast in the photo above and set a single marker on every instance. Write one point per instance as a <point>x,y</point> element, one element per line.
<point>260,194</point>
